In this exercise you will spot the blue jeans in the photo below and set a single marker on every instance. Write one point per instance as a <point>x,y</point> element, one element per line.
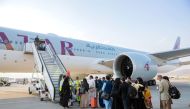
<point>108,104</point>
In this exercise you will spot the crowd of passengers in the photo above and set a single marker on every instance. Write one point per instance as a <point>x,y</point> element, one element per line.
<point>111,94</point>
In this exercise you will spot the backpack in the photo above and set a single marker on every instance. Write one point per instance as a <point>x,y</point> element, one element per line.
<point>132,92</point>
<point>84,88</point>
<point>174,92</point>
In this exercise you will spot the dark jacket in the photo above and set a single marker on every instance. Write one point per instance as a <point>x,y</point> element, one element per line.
<point>124,90</point>
<point>108,87</point>
<point>116,95</point>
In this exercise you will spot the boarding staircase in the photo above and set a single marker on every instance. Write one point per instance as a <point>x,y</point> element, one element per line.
<point>50,66</point>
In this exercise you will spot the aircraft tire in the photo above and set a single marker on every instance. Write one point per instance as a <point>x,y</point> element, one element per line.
<point>8,84</point>
<point>41,99</point>
<point>29,91</point>
<point>1,84</point>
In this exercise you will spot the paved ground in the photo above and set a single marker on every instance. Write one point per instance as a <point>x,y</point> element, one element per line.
<point>16,97</point>
<point>14,91</point>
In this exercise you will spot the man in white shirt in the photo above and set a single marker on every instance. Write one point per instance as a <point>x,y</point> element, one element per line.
<point>92,88</point>
<point>159,78</point>
<point>164,94</point>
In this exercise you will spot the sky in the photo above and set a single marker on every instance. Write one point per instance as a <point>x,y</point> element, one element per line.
<point>146,25</point>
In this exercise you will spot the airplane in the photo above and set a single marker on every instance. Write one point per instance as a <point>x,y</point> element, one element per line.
<point>83,57</point>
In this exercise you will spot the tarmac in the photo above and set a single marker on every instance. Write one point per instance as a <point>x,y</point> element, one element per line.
<point>16,97</point>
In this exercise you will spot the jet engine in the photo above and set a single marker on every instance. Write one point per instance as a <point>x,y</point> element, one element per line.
<point>133,64</point>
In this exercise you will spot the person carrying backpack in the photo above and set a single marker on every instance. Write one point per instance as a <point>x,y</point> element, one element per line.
<point>138,101</point>
<point>124,94</point>
<point>164,93</point>
<point>117,102</point>
<point>106,91</point>
<point>84,93</point>
<point>169,104</point>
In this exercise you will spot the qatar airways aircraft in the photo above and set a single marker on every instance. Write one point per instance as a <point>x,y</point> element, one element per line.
<point>83,58</point>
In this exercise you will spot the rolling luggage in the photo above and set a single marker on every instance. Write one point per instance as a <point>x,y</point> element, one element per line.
<point>93,102</point>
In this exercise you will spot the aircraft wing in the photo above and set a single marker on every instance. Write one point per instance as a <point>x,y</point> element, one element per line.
<point>185,63</point>
<point>163,56</point>
<point>108,63</point>
<point>170,55</point>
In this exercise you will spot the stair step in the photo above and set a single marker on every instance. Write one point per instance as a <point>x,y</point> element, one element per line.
<point>50,63</point>
<point>55,80</point>
<point>56,85</point>
<point>48,58</point>
<point>57,96</point>
<point>47,62</point>
<point>53,68</point>
<point>54,74</point>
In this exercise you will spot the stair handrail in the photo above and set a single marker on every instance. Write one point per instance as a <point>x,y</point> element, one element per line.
<point>54,53</point>
<point>58,61</point>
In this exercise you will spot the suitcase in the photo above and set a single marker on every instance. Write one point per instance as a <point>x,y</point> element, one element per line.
<point>93,102</point>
